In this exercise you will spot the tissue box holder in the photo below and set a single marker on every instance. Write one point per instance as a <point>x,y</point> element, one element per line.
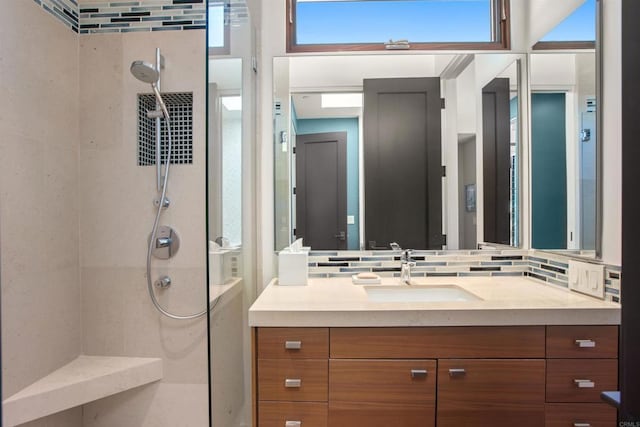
<point>293,268</point>
<point>219,266</point>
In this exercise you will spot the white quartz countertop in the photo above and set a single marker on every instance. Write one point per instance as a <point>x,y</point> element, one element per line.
<point>504,301</point>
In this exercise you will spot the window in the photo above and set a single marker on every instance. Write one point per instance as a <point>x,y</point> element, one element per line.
<point>338,25</point>
<point>218,27</point>
<point>577,31</point>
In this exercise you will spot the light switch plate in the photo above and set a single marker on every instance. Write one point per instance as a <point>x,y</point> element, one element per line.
<point>587,278</point>
<point>351,219</point>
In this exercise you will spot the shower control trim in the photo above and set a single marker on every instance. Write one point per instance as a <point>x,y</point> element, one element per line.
<point>166,244</point>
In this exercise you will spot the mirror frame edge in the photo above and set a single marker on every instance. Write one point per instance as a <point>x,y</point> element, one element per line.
<point>599,133</point>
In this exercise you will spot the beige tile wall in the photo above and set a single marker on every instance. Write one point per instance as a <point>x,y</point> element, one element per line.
<point>39,112</point>
<point>76,211</point>
<point>116,214</point>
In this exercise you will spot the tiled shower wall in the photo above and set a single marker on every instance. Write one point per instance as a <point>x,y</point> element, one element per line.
<point>64,10</point>
<point>39,266</point>
<point>70,287</point>
<point>544,266</point>
<point>128,16</point>
<point>116,213</point>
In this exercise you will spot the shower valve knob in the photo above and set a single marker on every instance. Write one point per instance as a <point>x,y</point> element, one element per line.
<point>165,244</point>
<point>165,202</point>
<point>163,282</point>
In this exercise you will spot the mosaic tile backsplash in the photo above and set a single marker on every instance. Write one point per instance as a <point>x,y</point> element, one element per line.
<point>128,16</point>
<point>66,11</point>
<point>546,267</point>
<point>147,15</point>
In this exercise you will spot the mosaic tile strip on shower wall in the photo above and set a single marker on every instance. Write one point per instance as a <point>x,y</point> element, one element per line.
<point>66,11</point>
<point>547,267</point>
<point>142,16</point>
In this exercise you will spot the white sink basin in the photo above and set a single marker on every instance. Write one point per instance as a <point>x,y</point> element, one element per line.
<point>428,293</point>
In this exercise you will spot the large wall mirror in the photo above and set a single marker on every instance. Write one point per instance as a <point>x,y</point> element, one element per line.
<point>565,145</point>
<point>224,209</point>
<point>225,151</point>
<point>374,149</point>
<point>501,126</point>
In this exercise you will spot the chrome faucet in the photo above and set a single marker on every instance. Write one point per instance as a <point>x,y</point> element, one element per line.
<point>406,263</point>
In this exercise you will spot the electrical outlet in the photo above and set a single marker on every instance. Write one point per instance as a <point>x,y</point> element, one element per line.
<point>586,278</point>
<point>351,219</point>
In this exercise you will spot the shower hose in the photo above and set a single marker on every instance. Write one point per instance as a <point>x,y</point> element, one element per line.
<point>154,230</point>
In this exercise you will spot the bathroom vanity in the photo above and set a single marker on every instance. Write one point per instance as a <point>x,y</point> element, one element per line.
<point>522,353</point>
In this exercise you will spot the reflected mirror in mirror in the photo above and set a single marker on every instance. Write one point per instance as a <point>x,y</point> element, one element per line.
<point>359,143</point>
<point>564,150</point>
<point>500,166</point>
<point>225,151</point>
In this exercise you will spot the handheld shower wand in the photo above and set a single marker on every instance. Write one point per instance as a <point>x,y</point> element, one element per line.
<point>147,73</point>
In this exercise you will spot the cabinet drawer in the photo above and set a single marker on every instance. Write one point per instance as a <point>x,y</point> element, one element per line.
<point>572,380</point>
<point>580,415</point>
<point>387,381</point>
<point>438,342</point>
<point>350,414</point>
<point>298,380</point>
<point>292,414</point>
<point>582,342</point>
<point>293,343</point>
<point>491,392</point>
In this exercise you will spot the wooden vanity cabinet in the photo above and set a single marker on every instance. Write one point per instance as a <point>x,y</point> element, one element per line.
<point>582,362</point>
<point>382,392</point>
<point>291,377</point>
<point>428,376</point>
<point>491,392</point>
<point>486,376</point>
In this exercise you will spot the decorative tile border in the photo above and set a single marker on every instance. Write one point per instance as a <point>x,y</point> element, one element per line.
<point>612,283</point>
<point>66,11</point>
<point>553,268</point>
<point>428,263</point>
<point>142,16</point>
<point>131,16</point>
<point>238,13</point>
<point>547,267</point>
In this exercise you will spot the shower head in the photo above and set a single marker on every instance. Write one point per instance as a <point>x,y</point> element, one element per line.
<point>145,72</point>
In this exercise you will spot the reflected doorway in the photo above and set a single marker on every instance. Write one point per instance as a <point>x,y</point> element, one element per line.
<point>321,190</point>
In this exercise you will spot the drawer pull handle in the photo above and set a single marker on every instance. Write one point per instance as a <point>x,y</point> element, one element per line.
<point>293,345</point>
<point>584,383</point>
<point>295,424</point>
<point>293,383</point>
<point>418,373</point>
<point>457,372</point>
<point>585,343</point>
<point>581,425</point>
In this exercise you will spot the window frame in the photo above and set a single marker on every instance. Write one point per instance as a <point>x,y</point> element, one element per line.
<point>573,45</point>
<point>565,45</point>
<point>501,26</point>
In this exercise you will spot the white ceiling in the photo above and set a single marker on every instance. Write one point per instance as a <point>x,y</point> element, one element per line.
<point>308,106</point>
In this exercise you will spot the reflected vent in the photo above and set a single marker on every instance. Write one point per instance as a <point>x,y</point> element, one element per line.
<point>180,106</point>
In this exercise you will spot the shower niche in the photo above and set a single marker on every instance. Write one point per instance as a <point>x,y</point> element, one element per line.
<point>180,106</point>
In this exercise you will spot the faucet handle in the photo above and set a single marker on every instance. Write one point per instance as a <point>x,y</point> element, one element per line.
<point>407,255</point>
